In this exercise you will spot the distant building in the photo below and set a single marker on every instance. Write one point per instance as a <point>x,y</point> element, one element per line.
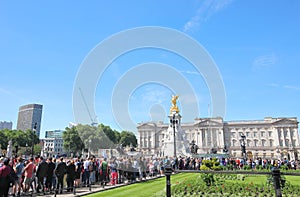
<point>53,143</point>
<point>54,134</point>
<point>53,147</point>
<point>29,116</point>
<point>268,138</point>
<point>5,125</point>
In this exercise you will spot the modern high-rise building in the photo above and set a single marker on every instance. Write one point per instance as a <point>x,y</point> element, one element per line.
<point>5,125</point>
<point>30,116</point>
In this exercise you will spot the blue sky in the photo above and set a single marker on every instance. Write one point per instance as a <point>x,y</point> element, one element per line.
<point>255,45</point>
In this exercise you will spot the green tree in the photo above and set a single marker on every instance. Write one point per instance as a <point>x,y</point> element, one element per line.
<point>113,135</point>
<point>95,138</point>
<point>19,138</point>
<point>128,138</point>
<point>3,139</point>
<point>72,141</point>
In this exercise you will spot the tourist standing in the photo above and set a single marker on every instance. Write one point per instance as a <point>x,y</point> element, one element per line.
<point>104,172</point>
<point>41,174</point>
<point>113,171</point>
<point>50,172</point>
<point>5,171</point>
<point>71,172</point>
<point>60,172</point>
<point>19,172</point>
<point>28,174</point>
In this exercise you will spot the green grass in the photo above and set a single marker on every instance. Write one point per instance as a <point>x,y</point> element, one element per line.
<point>157,186</point>
<point>144,189</point>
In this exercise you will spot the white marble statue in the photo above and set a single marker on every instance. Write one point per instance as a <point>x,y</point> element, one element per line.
<point>9,149</point>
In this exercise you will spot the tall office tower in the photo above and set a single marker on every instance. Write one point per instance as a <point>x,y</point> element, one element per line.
<point>5,125</point>
<point>29,117</point>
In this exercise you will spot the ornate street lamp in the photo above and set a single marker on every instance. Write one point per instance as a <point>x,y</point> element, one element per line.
<point>243,146</point>
<point>174,122</point>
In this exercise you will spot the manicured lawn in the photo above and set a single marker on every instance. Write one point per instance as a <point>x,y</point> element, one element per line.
<point>144,189</point>
<point>157,187</point>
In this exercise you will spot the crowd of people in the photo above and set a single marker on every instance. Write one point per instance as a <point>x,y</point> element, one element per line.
<point>64,174</point>
<point>49,175</point>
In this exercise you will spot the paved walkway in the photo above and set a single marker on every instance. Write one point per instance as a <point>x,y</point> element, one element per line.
<point>82,191</point>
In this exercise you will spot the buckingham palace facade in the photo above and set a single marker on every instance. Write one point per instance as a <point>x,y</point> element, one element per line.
<point>267,138</point>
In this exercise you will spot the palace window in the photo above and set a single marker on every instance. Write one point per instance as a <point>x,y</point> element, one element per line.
<point>248,142</point>
<point>255,142</point>
<point>271,143</point>
<point>270,133</point>
<point>255,134</point>
<point>262,134</point>
<point>263,143</point>
<point>233,134</point>
<point>247,134</point>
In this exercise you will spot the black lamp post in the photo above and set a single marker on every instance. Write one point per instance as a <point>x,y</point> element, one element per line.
<point>33,133</point>
<point>174,122</point>
<point>243,146</point>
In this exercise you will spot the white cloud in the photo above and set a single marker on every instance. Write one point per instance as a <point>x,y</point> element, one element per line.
<point>204,12</point>
<point>273,84</point>
<point>292,87</point>
<point>264,61</point>
<point>155,95</point>
<point>150,94</point>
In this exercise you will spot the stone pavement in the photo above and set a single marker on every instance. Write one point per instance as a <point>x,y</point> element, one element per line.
<point>82,191</point>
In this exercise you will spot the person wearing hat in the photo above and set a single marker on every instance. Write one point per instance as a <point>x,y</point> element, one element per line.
<point>5,172</point>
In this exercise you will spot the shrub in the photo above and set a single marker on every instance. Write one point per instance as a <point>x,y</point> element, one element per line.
<point>284,167</point>
<point>247,167</point>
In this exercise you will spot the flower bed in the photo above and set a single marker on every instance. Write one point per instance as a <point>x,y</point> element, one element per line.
<point>216,185</point>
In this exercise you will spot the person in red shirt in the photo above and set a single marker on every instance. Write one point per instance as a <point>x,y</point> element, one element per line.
<point>5,171</point>
<point>28,173</point>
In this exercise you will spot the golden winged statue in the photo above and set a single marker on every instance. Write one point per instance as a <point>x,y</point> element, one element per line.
<point>174,104</point>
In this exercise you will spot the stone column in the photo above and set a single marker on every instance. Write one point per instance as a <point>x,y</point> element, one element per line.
<point>153,136</point>
<point>200,139</point>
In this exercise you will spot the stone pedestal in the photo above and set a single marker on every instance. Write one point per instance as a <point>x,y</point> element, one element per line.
<point>182,144</point>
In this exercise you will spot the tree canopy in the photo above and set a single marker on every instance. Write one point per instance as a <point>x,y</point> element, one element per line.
<point>72,141</point>
<point>19,138</point>
<point>95,138</point>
